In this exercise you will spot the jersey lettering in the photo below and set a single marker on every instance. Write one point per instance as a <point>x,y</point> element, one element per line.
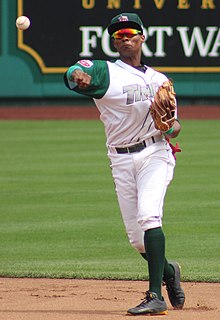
<point>137,93</point>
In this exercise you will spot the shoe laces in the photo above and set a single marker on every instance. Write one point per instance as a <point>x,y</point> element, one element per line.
<point>150,296</point>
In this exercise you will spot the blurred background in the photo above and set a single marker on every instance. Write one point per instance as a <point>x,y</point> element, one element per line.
<point>182,40</point>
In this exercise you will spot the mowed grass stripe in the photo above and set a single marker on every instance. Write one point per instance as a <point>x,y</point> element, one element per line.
<point>59,213</point>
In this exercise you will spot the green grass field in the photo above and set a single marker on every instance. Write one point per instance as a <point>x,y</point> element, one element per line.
<point>59,213</point>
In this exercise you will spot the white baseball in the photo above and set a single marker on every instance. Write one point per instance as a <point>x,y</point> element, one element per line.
<point>23,23</point>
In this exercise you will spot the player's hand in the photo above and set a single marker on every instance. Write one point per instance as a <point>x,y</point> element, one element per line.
<point>82,79</point>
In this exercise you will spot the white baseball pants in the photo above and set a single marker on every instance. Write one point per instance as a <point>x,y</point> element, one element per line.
<point>141,180</point>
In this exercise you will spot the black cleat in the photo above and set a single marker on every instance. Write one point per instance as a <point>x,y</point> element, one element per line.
<point>150,306</point>
<point>174,290</point>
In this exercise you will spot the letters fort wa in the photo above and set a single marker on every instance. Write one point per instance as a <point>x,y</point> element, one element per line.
<point>181,36</point>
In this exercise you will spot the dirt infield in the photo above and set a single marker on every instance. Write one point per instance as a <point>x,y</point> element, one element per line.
<point>55,299</point>
<point>90,112</point>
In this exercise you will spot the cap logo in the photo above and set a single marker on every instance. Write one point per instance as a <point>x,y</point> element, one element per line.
<point>123,18</point>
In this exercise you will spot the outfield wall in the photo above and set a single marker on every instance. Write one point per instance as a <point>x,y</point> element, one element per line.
<point>183,41</point>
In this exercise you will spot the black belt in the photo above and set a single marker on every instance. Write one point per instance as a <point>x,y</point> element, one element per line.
<point>135,148</point>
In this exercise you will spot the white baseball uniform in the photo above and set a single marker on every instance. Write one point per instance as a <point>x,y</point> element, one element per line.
<point>141,159</point>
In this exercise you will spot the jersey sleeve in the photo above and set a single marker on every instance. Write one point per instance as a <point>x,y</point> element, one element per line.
<point>98,70</point>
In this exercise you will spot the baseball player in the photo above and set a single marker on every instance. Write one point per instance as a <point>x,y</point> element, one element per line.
<point>141,158</point>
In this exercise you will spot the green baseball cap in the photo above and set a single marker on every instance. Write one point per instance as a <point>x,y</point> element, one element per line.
<point>125,20</point>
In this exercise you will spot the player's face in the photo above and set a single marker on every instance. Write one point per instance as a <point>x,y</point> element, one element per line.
<point>128,42</point>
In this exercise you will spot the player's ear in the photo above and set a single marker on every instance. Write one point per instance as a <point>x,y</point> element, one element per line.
<point>142,38</point>
<point>113,42</point>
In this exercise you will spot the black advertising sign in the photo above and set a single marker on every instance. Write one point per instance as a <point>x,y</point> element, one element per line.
<point>181,35</point>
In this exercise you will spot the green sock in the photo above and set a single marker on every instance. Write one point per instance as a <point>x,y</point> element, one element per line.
<point>168,271</point>
<point>154,241</point>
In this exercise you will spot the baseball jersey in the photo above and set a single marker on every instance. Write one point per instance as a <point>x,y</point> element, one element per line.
<point>123,95</point>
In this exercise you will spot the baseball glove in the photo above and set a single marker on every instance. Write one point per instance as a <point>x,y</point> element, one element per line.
<point>163,107</point>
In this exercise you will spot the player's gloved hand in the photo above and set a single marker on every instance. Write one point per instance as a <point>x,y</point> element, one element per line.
<point>82,79</point>
<point>163,107</point>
